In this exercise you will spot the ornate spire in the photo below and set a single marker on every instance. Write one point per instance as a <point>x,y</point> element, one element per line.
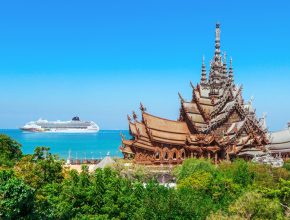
<point>192,86</point>
<point>129,118</point>
<point>216,69</point>
<point>142,108</point>
<point>217,42</point>
<point>263,122</point>
<point>134,115</point>
<point>231,72</point>
<point>203,72</point>
<point>224,73</point>
<point>181,99</point>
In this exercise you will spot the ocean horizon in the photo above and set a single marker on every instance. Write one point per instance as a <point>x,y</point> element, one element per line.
<point>81,145</point>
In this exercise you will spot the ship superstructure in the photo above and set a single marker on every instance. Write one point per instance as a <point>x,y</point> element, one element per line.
<point>73,126</point>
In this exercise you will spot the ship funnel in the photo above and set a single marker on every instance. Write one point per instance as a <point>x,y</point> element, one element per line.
<point>76,118</point>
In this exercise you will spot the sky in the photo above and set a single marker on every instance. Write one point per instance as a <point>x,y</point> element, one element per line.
<point>99,59</point>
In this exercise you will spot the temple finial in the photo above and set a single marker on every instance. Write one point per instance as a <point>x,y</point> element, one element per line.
<point>192,86</point>
<point>129,118</point>
<point>225,57</point>
<point>224,72</point>
<point>203,72</point>
<point>217,41</point>
<point>142,108</point>
<point>231,72</point>
<point>251,99</point>
<point>134,115</point>
<point>263,121</point>
<point>181,99</point>
<point>264,115</point>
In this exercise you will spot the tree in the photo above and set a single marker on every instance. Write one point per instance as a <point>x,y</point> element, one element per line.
<point>252,205</point>
<point>239,171</point>
<point>40,168</point>
<point>10,151</point>
<point>192,165</point>
<point>16,198</point>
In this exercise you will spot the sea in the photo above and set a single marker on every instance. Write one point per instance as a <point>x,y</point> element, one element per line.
<point>80,145</point>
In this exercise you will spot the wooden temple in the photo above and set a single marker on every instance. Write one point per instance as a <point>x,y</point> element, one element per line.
<point>216,123</point>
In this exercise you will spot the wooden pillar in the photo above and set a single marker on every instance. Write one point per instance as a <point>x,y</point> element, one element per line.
<point>208,155</point>
<point>215,157</point>
<point>191,154</point>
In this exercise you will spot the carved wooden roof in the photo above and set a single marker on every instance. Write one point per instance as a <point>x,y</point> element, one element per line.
<point>162,124</point>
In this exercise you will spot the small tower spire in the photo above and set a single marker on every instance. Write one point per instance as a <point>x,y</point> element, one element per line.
<point>142,108</point>
<point>203,72</point>
<point>134,116</point>
<point>231,72</point>
<point>180,97</point>
<point>129,118</point>
<point>217,41</point>
<point>224,73</point>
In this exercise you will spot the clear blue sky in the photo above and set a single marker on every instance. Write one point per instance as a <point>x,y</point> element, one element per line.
<point>99,59</point>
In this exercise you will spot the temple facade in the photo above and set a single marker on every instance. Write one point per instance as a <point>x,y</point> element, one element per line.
<point>216,123</point>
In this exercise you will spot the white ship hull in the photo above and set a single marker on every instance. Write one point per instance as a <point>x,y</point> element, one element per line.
<point>73,126</point>
<point>71,131</point>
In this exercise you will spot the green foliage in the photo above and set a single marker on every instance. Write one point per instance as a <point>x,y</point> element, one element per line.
<point>213,187</point>
<point>133,171</point>
<point>40,168</point>
<point>224,191</point>
<point>281,191</point>
<point>219,215</point>
<point>38,187</point>
<point>267,176</point>
<point>10,151</point>
<point>253,205</point>
<point>287,165</point>
<point>199,180</point>
<point>239,172</point>
<point>192,165</point>
<point>90,196</point>
<point>16,198</point>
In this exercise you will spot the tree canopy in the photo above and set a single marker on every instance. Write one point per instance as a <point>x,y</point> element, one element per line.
<point>38,187</point>
<point>10,151</point>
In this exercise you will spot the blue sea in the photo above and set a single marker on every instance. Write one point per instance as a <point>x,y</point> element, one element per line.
<point>81,145</point>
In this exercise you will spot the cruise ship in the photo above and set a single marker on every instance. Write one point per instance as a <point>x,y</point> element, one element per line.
<point>73,126</point>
